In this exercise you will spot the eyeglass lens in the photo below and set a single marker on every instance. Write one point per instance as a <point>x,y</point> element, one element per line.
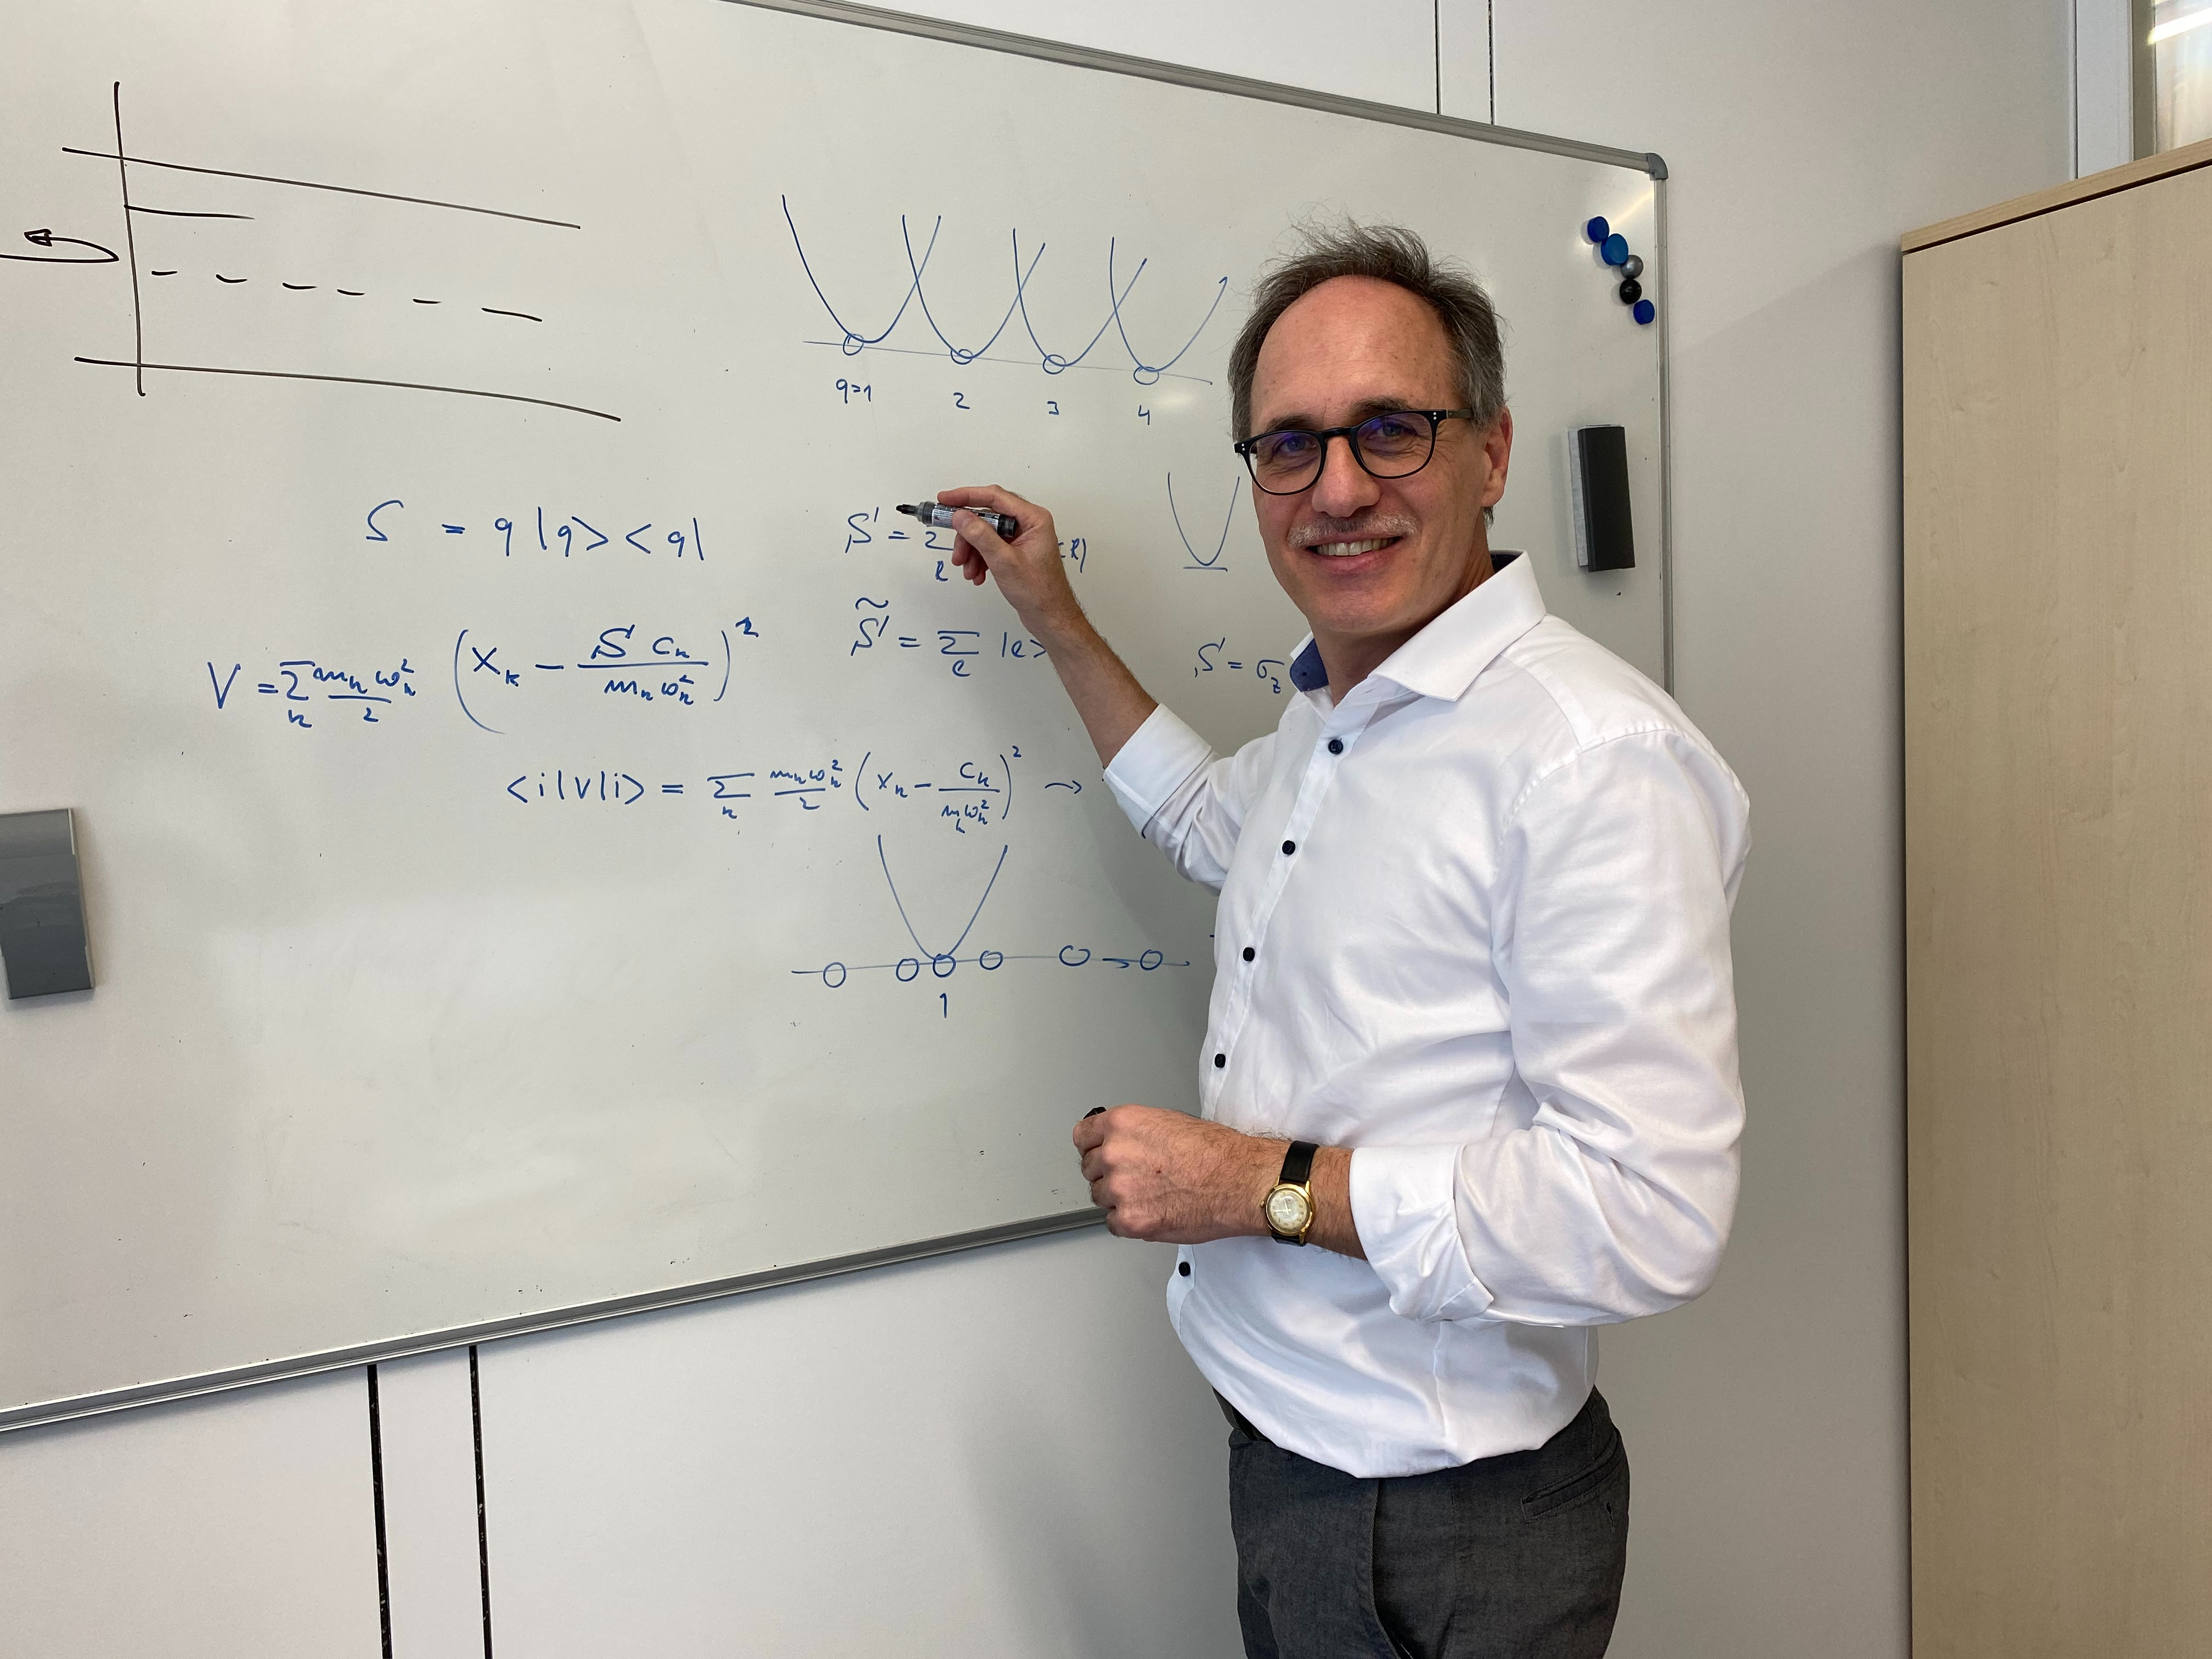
<point>1389,446</point>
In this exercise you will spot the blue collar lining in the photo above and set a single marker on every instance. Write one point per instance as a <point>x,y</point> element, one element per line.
<point>1307,672</point>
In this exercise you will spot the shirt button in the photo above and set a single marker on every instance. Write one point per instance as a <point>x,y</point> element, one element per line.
<point>1336,745</point>
<point>1220,1060</point>
<point>1290,847</point>
<point>1249,953</point>
<point>1183,1267</point>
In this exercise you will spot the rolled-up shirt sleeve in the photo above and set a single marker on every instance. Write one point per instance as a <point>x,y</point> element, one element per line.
<point>1613,1198</point>
<point>1183,798</point>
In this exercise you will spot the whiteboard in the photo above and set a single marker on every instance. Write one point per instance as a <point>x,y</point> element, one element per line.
<point>555,841</point>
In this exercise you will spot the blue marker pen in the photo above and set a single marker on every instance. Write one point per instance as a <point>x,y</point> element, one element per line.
<point>940,518</point>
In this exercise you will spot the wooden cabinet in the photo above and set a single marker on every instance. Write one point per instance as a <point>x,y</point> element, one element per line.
<point>2058,432</point>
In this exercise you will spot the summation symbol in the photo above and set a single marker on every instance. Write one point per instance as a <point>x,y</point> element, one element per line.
<point>853,342</point>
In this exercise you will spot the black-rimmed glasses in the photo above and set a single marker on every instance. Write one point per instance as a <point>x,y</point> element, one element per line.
<point>1395,444</point>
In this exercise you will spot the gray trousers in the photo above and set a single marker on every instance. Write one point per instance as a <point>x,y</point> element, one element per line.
<point>1514,1557</point>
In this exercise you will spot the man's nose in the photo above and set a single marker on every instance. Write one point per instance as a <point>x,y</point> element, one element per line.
<point>1345,486</point>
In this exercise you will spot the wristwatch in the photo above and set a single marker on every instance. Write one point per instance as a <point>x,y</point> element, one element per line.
<point>1288,1208</point>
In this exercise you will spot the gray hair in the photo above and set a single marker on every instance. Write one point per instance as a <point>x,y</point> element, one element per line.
<point>1387,253</point>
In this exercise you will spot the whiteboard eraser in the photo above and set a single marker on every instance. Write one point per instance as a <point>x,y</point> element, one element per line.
<point>42,936</point>
<point>1597,473</point>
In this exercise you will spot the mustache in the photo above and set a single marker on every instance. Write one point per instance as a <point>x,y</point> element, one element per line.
<point>1356,529</point>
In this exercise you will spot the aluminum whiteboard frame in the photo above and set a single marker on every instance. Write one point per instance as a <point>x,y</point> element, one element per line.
<point>1051,52</point>
<point>553,1319</point>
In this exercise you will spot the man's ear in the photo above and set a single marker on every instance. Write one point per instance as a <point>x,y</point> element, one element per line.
<point>1497,440</point>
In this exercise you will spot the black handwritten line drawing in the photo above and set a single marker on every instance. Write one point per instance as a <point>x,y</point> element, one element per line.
<point>309,288</point>
<point>1197,561</point>
<point>99,256</point>
<point>851,342</point>
<point>344,379</point>
<point>121,159</point>
<point>138,362</point>
<point>180,213</point>
<point>131,248</point>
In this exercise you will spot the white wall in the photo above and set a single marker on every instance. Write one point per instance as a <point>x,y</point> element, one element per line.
<point>1005,1453</point>
<point>1766,1423</point>
<point>2104,84</point>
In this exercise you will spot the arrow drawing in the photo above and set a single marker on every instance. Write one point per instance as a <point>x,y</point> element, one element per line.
<point>99,256</point>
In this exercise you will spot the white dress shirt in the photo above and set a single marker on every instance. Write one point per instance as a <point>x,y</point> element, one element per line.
<point>1474,925</point>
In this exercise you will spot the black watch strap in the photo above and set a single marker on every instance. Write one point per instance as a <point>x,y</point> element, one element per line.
<point>1297,1164</point>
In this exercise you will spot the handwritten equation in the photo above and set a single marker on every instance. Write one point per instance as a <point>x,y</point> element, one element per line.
<point>961,796</point>
<point>866,527</point>
<point>638,663</point>
<point>1213,658</point>
<point>536,531</point>
<point>960,648</point>
<point>302,687</point>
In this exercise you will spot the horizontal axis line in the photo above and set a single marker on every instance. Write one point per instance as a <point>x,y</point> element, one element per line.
<point>352,380</point>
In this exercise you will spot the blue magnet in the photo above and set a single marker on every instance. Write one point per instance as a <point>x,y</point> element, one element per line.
<point>1616,249</point>
<point>1644,311</point>
<point>1597,230</point>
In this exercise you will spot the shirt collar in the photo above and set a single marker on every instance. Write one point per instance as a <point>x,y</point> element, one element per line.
<point>1443,660</point>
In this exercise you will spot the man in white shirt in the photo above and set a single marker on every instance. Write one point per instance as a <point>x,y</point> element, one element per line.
<point>1471,962</point>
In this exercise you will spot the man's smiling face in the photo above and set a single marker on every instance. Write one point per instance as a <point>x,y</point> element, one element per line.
<point>1370,560</point>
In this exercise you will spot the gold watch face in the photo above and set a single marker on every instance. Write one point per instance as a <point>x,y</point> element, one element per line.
<point>1289,1210</point>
